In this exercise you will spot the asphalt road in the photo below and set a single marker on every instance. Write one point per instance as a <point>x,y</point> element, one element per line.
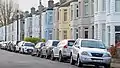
<point>16,60</point>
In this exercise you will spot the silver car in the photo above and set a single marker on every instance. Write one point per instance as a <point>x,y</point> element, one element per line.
<point>63,49</point>
<point>47,49</point>
<point>90,51</point>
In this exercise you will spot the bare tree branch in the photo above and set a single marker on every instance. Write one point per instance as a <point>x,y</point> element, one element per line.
<point>7,11</point>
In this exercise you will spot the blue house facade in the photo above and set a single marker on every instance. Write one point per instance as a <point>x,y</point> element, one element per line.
<point>48,25</point>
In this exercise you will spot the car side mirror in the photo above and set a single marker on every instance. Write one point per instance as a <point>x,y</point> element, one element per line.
<point>78,47</point>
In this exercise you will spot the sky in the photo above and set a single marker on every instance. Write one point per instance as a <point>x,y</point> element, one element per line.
<point>25,5</point>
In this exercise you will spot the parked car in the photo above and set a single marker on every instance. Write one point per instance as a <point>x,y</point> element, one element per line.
<point>90,51</point>
<point>9,44</point>
<point>18,47</point>
<point>13,46</point>
<point>62,50</point>
<point>4,45</point>
<point>1,44</point>
<point>37,49</point>
<point>27,47</point>
<point>47,49</point>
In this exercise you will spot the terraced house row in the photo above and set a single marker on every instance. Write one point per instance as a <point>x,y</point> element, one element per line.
<point>72,19</point>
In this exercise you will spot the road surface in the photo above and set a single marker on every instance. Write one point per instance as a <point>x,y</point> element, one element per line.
<point>16,60</point>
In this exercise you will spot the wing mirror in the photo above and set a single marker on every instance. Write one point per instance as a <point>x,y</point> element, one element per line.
<point>78,47</point>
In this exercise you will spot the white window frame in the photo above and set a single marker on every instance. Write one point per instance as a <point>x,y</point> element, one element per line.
<point>104,5</point>
<point>79,8</point>
<point>86,8</point>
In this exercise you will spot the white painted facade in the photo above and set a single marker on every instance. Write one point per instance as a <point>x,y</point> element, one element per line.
<point>2,33</point>
<point>35,26</point>
<point>74,19</point>
<point>11,34</point>
<point>28,27</point>
<point>100,19</point>
<point>43,24</point>
<point>107,15</point>
<point>56,23</point>
<point>86,19</point>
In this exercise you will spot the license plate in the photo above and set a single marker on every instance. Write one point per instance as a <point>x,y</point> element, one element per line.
<point>98,60</point>
<point>30,50</point>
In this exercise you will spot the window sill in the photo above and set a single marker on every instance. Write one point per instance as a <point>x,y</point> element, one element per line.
<point>85,16</point>
<point>117,13</point>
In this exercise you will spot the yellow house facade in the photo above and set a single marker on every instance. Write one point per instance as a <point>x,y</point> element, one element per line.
<point>64,23</point>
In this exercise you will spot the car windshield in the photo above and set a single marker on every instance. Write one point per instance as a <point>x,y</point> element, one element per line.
<point>70,43</point>
<point>92,44</point>
<point>55,43</point>
<point>29,44</point>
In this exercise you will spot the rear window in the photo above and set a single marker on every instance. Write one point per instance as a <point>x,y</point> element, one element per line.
<point>55,43</point>
<point>29,44</point>
<point>70,43</point>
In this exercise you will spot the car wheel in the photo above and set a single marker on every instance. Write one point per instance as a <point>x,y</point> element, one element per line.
<point>52,56</point>
<point>41,56</point>
<point>79,64</point>
<point>23,51</point>
<point>72,62</point>
<point>107,66</point>
<point>32,54</point>
<point>60,57</point>
<point>20,51</point>
<point>46,56</point>
<point>38,55</point>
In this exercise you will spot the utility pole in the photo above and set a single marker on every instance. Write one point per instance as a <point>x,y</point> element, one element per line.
<point>17,25</point>
<point>40,12</point>
<point>5,31</point>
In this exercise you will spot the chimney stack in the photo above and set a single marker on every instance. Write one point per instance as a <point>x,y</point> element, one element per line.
<point>32,10</point>
<point>50,3</point>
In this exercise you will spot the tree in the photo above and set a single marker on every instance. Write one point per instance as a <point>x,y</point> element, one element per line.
<point>8,10</point>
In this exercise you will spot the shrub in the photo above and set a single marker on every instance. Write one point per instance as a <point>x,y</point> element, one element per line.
<point>43,40</point>
<point>32,39</point>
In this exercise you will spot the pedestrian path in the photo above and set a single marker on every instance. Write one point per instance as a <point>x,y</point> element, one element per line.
<point>115,63</point>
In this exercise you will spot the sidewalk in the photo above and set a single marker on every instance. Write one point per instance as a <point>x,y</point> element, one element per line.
<point>115,63</point>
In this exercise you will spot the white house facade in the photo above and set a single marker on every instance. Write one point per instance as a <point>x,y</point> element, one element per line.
<point>100,19</point>
<point>11,32</point>
<point>86,18</point>
<point>2,33</point>
<point>56,23</point>
<point>35,26</point>
<point>43,24</point>
<point>28,27</point>
<point>112,22</point>
<point>106,21</point>
<point>74,20</point>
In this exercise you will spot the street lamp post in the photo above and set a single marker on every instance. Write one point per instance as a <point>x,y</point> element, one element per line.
<point>17,25</point>
<point>40,11</point>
